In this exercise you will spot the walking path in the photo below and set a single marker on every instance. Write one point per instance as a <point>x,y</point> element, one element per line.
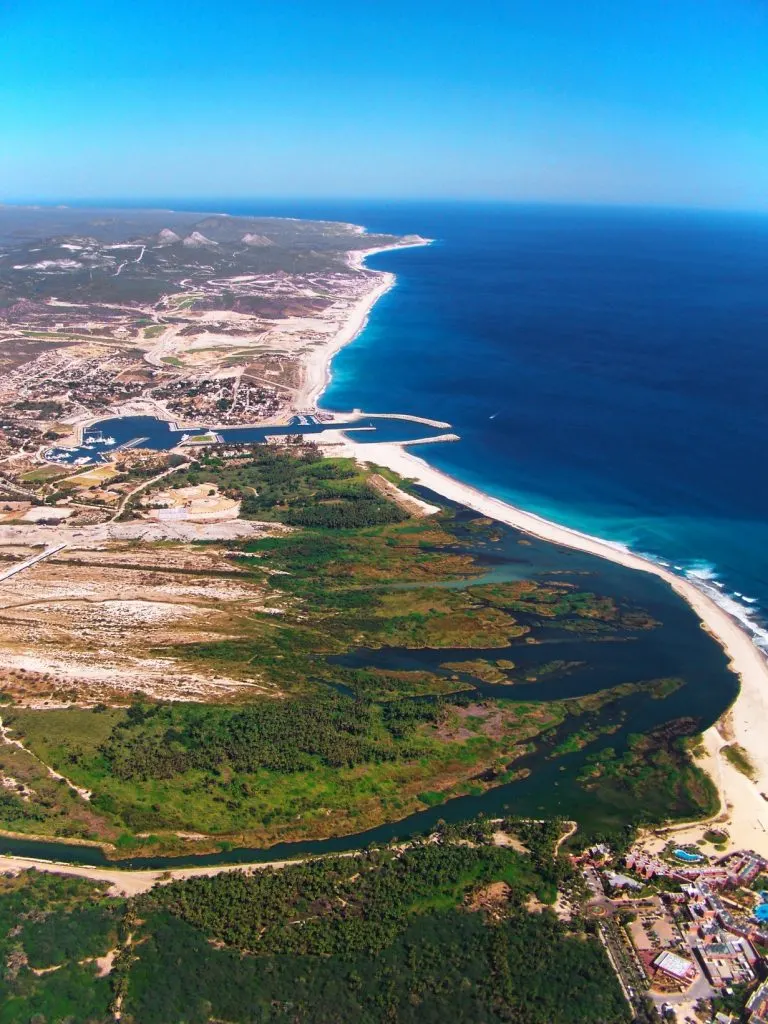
<point>6,738</point>
<point>29,562</point>
<point>131,883</point>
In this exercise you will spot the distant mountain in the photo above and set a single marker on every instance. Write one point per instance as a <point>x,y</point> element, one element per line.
<point>196,240</point>
<point>251,239</point>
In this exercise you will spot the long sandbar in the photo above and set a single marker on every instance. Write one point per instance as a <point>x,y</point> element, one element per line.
<point>746,807</point>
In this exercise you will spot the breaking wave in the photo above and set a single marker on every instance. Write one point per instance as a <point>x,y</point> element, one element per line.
<point>704,576</point>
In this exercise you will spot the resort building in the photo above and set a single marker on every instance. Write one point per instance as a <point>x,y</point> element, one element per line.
<point>727,962</point>
<point>757,1005</point>
<point>678,968</point>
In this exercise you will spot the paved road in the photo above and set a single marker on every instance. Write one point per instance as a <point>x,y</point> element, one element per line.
<point>27,563</point>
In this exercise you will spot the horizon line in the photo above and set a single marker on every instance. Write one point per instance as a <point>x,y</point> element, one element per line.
<point>162,202</point>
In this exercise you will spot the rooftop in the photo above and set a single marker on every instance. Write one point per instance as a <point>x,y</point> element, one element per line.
<point>675,965</point>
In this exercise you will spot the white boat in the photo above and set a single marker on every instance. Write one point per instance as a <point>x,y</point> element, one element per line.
<point>109,440</point>
<point>185,437</point>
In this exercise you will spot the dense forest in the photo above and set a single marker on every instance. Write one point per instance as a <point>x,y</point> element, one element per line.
<point>160,741</point>
<point>442,930</point>
<point>304,490</point>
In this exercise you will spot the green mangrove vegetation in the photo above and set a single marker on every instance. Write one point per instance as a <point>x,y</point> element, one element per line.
<point>342,744</point>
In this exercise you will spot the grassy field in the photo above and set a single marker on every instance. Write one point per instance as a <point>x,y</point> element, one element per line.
<point>739,758</point>
<point>266,805</point>
<point>45,474</point>
<point>96,476</point>
<point>234,774</point>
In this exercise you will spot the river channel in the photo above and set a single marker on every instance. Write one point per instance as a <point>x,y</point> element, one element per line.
<point>677,647</point>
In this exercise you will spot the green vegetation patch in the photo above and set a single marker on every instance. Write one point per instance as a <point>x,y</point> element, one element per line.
<point>325,765</point>
<point>385,685</point>
<point>159,741</point>
<point>53,921</point>
<point>654,779</point>
<point>38,803</point>
<point>45,473</point>
<point>281,769</point>
<point>739,758</point>
<point>482,669</point>
<point>305,490</point>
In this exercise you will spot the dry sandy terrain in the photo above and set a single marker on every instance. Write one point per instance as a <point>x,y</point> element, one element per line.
<point>93,622</point>
<point>199,503</point>
<point>92,536</point>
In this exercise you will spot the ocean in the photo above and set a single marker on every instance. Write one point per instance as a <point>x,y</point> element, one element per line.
<point>605,368</point>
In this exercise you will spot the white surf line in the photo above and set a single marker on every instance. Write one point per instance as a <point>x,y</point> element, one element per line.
<point>27,563</point>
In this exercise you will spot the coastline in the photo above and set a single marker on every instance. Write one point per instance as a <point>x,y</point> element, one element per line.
<point>317,367</point>
<point>742,802</point>
<point>743,805</point>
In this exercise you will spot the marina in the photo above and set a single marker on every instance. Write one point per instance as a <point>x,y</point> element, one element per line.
<point>101,441</point>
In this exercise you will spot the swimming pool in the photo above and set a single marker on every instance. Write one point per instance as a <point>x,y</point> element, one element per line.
<point>689,858</point>
<point>761,912</point>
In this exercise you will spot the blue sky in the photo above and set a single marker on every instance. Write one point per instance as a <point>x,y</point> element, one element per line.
<point>661,101</point>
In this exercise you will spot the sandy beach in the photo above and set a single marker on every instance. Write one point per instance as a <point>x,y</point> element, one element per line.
<point>317,367</point>
<point>745,809</point>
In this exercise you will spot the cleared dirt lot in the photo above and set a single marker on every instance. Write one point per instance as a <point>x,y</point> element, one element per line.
<point>97,622</point>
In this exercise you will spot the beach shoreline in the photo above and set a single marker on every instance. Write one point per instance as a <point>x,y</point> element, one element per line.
<point>317,367</point>
<point>745,810</point>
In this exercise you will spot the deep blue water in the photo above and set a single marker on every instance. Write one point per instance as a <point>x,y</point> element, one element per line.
<point>605,367</point>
